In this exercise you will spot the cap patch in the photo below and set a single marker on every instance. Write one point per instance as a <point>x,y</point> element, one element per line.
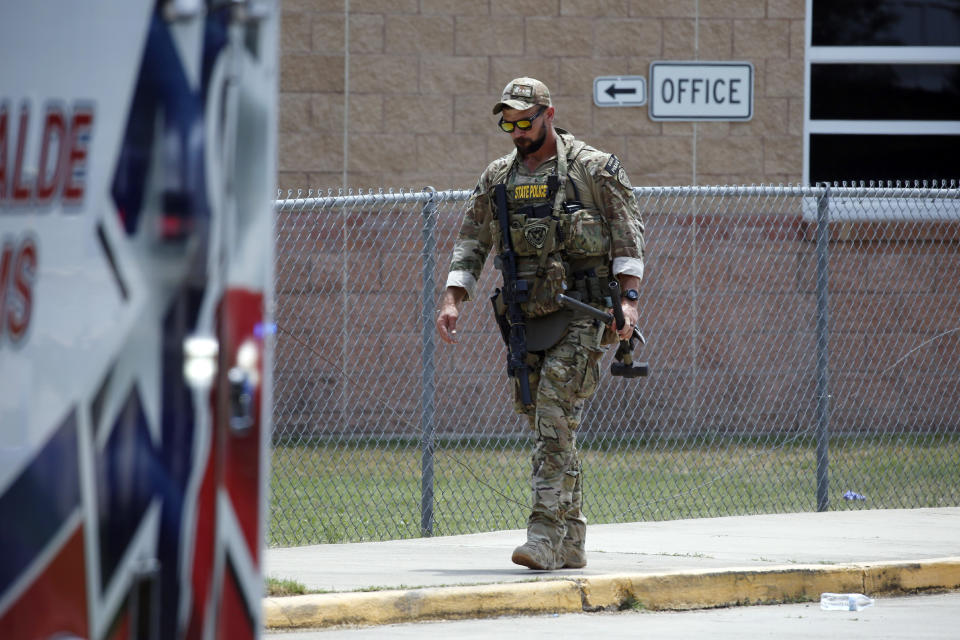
<point>521,91</point>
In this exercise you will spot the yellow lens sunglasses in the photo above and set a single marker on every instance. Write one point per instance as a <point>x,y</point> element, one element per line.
<point>523,124</point>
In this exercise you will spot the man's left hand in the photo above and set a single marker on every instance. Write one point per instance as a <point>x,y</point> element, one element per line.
<point>630,318</point>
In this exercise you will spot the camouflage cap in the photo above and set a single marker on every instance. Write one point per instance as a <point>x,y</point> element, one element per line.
<point>523,93</point>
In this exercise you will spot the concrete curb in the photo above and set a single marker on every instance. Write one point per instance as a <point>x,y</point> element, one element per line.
<point>657,591</point>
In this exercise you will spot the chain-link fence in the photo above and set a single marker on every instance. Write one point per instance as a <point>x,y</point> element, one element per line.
<point>804,350</point>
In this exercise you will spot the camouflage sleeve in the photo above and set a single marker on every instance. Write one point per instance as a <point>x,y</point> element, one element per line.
<point>473,241</point>
<point>620,209</point>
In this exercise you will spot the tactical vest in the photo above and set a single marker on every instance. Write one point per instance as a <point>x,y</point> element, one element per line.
<point>562,245</point>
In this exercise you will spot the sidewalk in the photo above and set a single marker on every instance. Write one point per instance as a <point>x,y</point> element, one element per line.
<point>659,565</point>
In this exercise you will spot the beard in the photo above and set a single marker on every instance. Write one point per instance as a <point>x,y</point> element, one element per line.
<point>527,147</point>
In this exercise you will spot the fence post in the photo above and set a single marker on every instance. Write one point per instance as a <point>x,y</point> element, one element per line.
<point>428,385</point>
<point>823,329</point>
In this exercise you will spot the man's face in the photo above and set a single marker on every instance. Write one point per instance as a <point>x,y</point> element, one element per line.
<point>529,141</point>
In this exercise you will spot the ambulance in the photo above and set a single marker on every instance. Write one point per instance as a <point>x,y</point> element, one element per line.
<point>137,175</point>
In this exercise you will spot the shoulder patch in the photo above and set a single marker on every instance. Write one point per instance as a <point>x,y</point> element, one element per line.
<point>613,165</point>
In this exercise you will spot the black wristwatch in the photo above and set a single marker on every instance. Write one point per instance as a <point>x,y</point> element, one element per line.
<point>631,295</point>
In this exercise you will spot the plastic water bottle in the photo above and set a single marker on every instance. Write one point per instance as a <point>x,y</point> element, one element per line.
<point>844,601</point>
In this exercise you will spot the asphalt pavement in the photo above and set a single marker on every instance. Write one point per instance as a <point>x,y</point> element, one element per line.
<point>914,617</point>
<point>669,565</point>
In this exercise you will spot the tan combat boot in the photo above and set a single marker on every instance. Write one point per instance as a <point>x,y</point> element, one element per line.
<point>536,554</point>
<point>573,557</point>
<point>572,553</point>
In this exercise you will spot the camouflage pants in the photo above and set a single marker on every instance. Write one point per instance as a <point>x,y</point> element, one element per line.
<point>562,378</point>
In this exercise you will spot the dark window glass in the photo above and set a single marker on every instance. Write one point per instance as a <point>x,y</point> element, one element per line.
<point>862,23</point>
<point>885,92</point>
<point>883,157</point>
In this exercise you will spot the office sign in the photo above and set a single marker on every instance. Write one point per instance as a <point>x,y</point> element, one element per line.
<point>619,91</point>
<point>701,90</point>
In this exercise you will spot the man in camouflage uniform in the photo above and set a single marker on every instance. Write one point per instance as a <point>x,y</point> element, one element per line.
<point>574,224</point>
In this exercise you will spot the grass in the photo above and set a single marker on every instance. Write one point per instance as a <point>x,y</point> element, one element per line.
<point>278,587</point>
<point>326,493</point>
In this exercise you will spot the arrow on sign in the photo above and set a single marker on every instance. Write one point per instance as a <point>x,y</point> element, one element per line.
<point>619,91</point>
<point>612,91</point>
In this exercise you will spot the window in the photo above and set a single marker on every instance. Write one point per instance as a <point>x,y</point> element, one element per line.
<point>901,23</point>
<point>882,90</point>
<point>881,157</point>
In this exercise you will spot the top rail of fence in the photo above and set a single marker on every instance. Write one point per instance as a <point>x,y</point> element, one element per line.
<point>849,203</point>
<point>310,200</point>
<point>320,200</point>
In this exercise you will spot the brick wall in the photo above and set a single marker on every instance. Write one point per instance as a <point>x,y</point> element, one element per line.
<point>424,74</point>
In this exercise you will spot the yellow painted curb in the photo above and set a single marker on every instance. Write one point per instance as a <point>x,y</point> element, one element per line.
<point>900,577</point>
<point>660,591</point>
<point>719,588</point>
<point>388,607</point>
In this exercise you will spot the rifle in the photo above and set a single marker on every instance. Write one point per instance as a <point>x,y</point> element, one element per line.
<point>623,367</point>
<point>515,291</point>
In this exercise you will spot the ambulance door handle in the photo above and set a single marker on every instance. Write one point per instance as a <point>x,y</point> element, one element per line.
<point>241,400</point>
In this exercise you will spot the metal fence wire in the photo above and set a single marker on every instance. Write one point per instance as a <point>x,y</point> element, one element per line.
<point>803,342</point>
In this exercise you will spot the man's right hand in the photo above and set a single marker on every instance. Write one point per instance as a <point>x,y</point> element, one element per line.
<point>448,314</point>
